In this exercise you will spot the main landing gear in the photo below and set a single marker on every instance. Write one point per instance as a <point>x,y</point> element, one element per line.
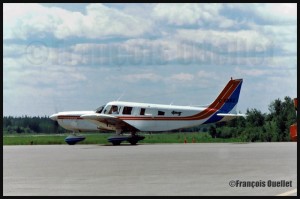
<point>73,139</point>
<point>132,139</point>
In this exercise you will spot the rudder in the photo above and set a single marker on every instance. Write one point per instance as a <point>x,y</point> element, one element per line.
<point>227,100</point>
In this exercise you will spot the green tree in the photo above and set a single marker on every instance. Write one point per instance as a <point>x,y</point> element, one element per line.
<point>212,131</point>
<point>255,118</point>
<point>283,115</point>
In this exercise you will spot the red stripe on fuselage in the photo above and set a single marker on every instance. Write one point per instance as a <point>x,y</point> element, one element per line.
<point>69,117</point>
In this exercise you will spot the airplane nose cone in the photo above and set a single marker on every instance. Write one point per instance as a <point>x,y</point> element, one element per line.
<point>54,117</point>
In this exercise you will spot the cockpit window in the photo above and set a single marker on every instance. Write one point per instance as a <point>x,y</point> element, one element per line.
<point>107,109</point>
<point>100,109</point>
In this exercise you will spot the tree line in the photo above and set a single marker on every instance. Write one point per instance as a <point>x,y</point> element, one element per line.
<point>257,126</point>
<point>26,124</point>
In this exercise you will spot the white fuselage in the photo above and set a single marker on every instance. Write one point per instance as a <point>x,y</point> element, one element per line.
<point>158,117</point>
<point>142,116</point>
<point>123,116</point>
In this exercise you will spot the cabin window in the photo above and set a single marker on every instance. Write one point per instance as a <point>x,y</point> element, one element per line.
<point>161,113</point>
<point>127,110</point>
<point>142,112</point>
<point>114,110</point>
<point>148,111</point>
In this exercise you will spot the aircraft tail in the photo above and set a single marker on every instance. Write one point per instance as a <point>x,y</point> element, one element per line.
<point>225,103</point>
<point>229,97</point>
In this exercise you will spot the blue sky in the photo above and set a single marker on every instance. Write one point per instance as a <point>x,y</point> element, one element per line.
<point>61,57</point>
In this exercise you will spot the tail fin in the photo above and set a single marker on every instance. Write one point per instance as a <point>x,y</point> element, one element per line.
<point>226,102</point>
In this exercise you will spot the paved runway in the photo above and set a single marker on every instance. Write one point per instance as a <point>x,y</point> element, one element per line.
<point>198,169</point>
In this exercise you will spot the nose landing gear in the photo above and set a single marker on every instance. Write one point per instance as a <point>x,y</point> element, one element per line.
<point>73,139</point>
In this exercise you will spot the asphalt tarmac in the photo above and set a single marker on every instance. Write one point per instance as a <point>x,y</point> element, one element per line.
<point>192,169</point>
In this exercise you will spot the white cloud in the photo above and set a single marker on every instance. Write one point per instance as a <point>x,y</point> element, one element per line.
<point>192,14</point>
<point>277,12</point>
<point>182,77</point>
<point>206,74</point>
<point>186,14</point>
<point>250,72</point>
<point>267,13</point>
<point>284,62</point>
<point>20,71</point>
<point>227,41</point>
<point>142,76</point>
<point>283,37</point>
<point>24,20</point>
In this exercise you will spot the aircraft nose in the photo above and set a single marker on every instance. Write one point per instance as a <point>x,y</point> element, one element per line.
<point>54,117</point>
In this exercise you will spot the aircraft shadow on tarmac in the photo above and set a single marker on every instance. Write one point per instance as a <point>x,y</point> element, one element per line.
<point>118,145</point>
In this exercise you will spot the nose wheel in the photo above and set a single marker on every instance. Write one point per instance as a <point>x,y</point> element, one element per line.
<point>73,139</point>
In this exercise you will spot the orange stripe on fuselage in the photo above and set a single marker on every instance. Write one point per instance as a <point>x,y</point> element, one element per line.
<point>215,106</point>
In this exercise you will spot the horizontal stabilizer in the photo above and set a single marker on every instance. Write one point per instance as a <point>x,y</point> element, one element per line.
<point>229,116</point>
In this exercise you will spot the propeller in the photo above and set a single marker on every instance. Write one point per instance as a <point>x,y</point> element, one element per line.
<point>55,123</point>
<point>55,127</point>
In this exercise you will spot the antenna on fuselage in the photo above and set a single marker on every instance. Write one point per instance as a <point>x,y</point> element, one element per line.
<point>120,96</point>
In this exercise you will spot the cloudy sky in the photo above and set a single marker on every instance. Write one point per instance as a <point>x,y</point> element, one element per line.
<point>60,57</point>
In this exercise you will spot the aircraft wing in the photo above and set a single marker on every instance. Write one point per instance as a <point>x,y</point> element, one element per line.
<point>108,120</point>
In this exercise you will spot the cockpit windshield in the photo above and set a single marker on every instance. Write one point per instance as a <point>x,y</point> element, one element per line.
<point>100,109</point>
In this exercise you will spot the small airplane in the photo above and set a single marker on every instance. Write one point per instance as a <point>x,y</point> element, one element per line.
<point>133,117</point>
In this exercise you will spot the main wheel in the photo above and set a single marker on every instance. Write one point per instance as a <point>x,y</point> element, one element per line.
<point>133,142</point>
<point>134,139</point>
<point>116,142</point>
